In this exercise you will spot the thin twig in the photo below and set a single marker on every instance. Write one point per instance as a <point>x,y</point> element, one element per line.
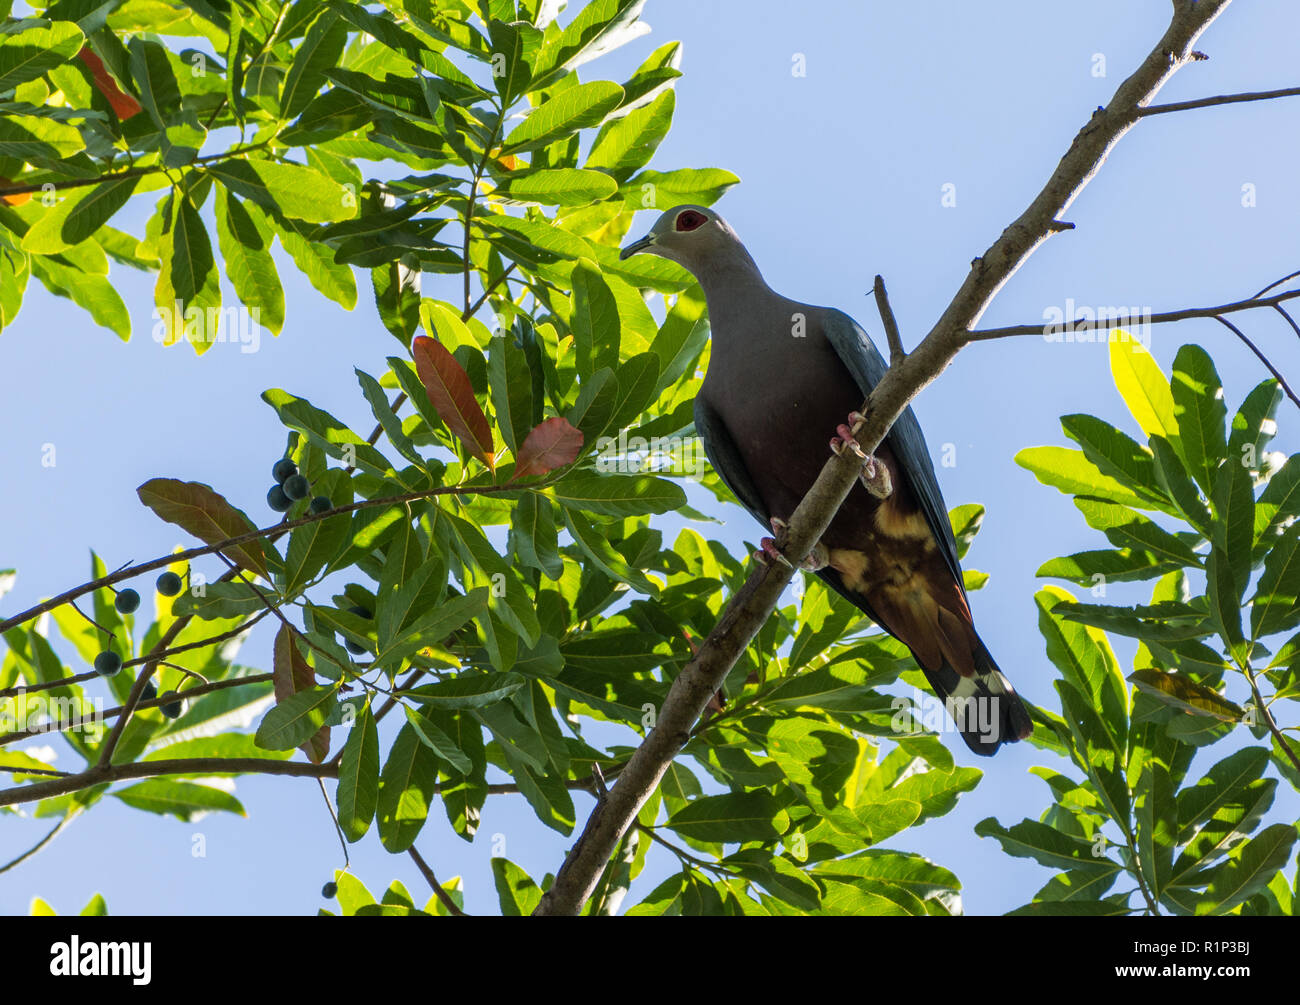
<point>1119,321</point>
<point>1262,358</point>
<point>66,819</point>
<point>1218,99</point>
<point>432,880</point>
<point>896,352</point>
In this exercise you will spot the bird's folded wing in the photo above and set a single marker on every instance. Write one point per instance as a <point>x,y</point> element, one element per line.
<point>726,459</point>
<point>905,439</point>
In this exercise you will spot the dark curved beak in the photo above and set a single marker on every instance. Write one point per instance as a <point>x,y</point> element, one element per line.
<point>636,247</point>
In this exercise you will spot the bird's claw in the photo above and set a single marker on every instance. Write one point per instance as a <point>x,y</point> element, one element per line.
<point>875,478</point>
<point>771,553</point>
<point>875,475</point>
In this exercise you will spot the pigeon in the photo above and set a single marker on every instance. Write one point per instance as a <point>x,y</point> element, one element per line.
<point>782,376</point>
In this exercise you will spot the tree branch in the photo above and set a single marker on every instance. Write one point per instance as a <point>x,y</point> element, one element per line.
<point>101,774</point>
<point>1119,321</point>
<point>752,605</point>
<point>432,880</point>
<point>1219,99</point>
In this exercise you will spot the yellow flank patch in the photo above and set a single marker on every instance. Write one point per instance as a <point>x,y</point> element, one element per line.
<point>852,567</point>
<point>910,526</point>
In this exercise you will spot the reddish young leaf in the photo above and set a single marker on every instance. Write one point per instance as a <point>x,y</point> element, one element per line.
<point>550,445</point>
<point>13,200</point>
<point>124,106</point>
<point>203,512</point>
<point>290,673</point>
<point>451,394</point>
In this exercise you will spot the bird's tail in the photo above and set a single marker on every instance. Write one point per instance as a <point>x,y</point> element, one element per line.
<point>984,706</point>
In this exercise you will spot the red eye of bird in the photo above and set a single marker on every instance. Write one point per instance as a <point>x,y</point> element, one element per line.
<point>689,220</point>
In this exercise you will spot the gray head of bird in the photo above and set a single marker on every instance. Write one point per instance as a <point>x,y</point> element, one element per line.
<point>694,237</point>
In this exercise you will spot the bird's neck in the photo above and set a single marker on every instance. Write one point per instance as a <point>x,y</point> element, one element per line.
<point>738,298</point>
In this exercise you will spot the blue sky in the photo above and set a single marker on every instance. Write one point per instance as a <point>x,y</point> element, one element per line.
<point>842,173</point>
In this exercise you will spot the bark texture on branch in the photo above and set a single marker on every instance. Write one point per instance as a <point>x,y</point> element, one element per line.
<point>756,600</point>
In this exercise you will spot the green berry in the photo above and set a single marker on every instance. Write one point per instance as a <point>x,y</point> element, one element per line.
<point>127,601</point>
<point>277,500</point>
<point>296,487</point>
<point>169,584</point>
<point>172,709</point>
<point>329,890</point>
<point>108,663</point>
<point>284,468</point>
<point>321,504</point>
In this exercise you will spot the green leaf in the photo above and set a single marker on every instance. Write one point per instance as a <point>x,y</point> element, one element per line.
<point>966,521</point>
<point>533,537</point>
<point>358,790</point>
<point>517,893</point>
<point>1184,694</point>
<point>26,55</point>
<point>1072,473</point>
<point>597,547</point>
<point>557,187</point>
<point>1144,389</point>
<point>1116,455</point>
<point>296,190</point>
<point>600,27</point>
<point>618,495</point>
<point>188,289</point>
<point>184,800</point>
<point>244,239</point>
<point>437,741</point>
<point>1276,605</point>
<point>627,143</point>
<point>666,190</point>
<point>1254,425</point>
<point>466,691</point>
<point>407,788</point>
<point>77,217</point>
<point>1045,845</point>
<point>514,50</point>
<point>1178,485</point>
<point>296,719</point>
<point>747,816</point>
<point>568,111</point>
<point>319,51</point>
<point>596,324</point>
<point>1248,869</point>
<point>1200,413</point>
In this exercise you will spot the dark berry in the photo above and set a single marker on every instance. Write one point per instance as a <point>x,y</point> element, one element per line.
<point>107,663</point>
<point>169,584</point>
<point>329,890</point>
<point>321,504</point>
<point>296,487</point>
<point>127,601</point>
<point>277,500</point>
<point>172,709</point>
<point>149,693</point>
<point>284,468</point>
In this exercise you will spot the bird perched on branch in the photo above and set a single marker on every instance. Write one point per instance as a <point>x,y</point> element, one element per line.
<point>782,376</point>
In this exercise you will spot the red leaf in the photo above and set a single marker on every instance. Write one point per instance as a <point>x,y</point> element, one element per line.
<point>290,673</point>
<point>553,443</point>
<point>13,200</point>
<point>124,106</point>
<point>451,394</point>
<point>203,512</point>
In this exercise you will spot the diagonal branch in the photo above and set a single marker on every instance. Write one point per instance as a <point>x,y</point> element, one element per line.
<point>753,604</point>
